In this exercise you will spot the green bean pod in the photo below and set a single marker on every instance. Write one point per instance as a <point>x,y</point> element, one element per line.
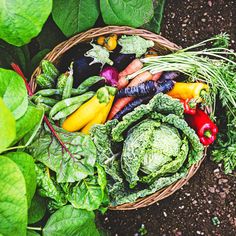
<point>48,101</point>
<point>49,69</point>
<point>85,85</point>
<point>45,107</point>
<point>49,92</point>
<point>66,111</point>
<point>68,86</point>
<point>69,102</point>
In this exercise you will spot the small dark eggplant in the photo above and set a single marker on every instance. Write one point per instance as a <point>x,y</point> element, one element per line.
<point>121,61</point>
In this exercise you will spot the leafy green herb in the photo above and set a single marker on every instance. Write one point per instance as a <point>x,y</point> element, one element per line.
<point>75,16</point>
<point>71,221</point>
<point>7,126</point>
<point>37,209</point>
<point>119,12</point>
<point>13,201</point>
<point>19,23</point>
<point>25,163</point>
<point>13,92</point>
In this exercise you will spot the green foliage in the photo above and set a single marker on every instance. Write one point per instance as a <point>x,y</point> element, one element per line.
<point>71,166</point>
<point>133,13</point>
<point>13,92</point>
<point>21,21</point>
<point>29,123</point>
<point>37,209</point>
<point>7,126</point>
<point>155,23</point>
<point>71,221</point>
<point>13,201</point>
<point>75,16</point>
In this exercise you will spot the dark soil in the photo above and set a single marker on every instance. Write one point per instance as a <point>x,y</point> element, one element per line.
<point>207,204</point>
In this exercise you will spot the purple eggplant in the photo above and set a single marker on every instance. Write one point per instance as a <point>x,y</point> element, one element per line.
<point>110,74</point>
<point>121,61</point>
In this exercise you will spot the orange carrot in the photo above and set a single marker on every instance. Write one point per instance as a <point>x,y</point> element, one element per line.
<point>122,102</point>
<point>134,66</point>
<point>156,76</point>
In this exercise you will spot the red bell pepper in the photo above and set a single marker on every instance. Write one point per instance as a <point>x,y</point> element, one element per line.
<point>190,106</point>
<point>203,126</point>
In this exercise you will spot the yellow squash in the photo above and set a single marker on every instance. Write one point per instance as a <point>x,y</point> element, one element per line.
<point>87,112</point>
<point>100,118</point>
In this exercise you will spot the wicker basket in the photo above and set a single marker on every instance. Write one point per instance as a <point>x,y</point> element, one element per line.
<point>163,46</point>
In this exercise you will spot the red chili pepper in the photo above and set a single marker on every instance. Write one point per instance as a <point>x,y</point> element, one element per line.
<point>190,106</point>
<point>203,125</point>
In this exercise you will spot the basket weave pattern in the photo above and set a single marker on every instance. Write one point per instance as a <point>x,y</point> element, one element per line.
<point>162,45</point>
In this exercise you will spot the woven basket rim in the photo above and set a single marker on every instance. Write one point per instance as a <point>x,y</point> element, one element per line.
<point>161,43</point>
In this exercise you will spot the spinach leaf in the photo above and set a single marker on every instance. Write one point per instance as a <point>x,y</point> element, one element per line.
<point>75,16</point>
<point>30,122</point>
<point>71,166</point>
<point>155,23</point>
<point>7,126</point>
<point>37,209</point>
<point>13,92</point>
<point>47,187</point>
<point>118,12</point>
<point>71,221</point>
<point>25,163</point>
<point>21,21</point>
<point>13,201</point>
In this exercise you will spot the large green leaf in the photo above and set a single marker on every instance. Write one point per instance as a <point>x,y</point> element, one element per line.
<point>71,165</point>
<point>75,15</point>
<point>122,12</point>
<point>25,163</point>
<point>71,221</point>
<point>20,21</point>
<point>32,233</point>
<point>37,209</point>
<point>29,122</point>
<point>154,24</point>
<point>7,126</point>
<point>13,201</point>
<point>13,92</point>
<point>87,195</point>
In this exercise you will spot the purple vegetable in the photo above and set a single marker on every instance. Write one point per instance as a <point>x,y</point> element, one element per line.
<point>130,107</point>
<point>147,88</point>
<point>110,74</point>
<point>121,61</point>
<point>168,75</point>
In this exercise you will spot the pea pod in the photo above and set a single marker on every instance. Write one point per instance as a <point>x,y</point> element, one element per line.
<point>66,111</point>
<point>45,107</point>
<point>69,102</point>
<point>85,85</point>
<point>49,92</point>
<point>68,85</point>
<point>44,81</point>
<point>48,101</point>
<point>49,69</point>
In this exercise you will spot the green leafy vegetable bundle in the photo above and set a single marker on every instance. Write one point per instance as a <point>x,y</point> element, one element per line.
<point>150,148</point>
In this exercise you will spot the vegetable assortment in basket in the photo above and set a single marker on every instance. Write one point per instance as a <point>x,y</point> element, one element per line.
<point>136,123</point>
